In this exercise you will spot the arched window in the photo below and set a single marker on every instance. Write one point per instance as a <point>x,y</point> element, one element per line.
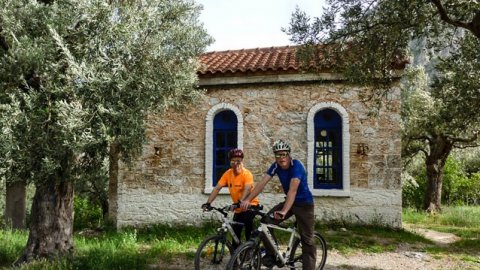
<point>328,141</point>
<point>224,138</point>
<point>224,131</point>
<point>328,150</point>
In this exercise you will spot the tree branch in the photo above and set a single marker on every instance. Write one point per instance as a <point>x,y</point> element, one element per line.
<point>421,138</point>
<point>465,140</point>
<point>3,41</point>
<point>473,26</point>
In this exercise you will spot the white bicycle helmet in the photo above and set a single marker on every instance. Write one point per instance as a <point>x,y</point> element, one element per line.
<point>281,145</point>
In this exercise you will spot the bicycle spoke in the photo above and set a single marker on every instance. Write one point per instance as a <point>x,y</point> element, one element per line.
<point>295,262</point>
<point>213,253</point>
<point>245,257</point>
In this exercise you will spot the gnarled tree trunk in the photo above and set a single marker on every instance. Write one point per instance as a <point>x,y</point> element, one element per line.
<point>15,205</point>
<point>51,227</point>
<point>440,148</point>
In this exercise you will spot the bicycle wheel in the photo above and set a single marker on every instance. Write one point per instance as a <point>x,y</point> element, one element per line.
<point>321,246</point>
<point>246,256</point>
<point>213,253</point>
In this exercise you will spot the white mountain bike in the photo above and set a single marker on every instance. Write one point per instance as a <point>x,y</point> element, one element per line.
<point>250,255</point>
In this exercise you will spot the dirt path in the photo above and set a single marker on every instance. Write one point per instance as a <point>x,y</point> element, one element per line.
<point>404,257</point>
<point>366,261</point>
<point>392,260</point>
<point>436,237</point>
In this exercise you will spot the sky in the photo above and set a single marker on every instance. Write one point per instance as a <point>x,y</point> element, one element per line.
<point>246,24</point>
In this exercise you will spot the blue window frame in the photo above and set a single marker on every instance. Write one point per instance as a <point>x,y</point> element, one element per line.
<point>224,138</point>
<point>328,150</point>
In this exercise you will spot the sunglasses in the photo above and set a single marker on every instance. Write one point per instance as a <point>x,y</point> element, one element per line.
<point>281,155</point>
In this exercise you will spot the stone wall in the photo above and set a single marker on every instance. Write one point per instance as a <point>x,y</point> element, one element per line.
<point>166,185</point>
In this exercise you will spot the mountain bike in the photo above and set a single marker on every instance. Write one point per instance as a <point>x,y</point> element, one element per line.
<point>250,255</point>
<point>215,251</point>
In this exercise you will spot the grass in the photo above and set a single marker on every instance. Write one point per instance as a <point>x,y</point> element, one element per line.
<point>370,239</point>
<point>128,249</point>
<point>138,248</point>
<point>463,221</point>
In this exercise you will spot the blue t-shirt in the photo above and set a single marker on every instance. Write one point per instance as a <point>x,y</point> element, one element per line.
<point>296,170</point>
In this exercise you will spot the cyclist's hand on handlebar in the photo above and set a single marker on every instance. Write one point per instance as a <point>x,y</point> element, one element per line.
<point>279,215</point>
<point>234,206</point>
<point>244,205</point>
<point>206,207</point>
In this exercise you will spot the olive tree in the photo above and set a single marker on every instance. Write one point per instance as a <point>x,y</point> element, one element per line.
<point>367,39</point>
<point>78,79</point>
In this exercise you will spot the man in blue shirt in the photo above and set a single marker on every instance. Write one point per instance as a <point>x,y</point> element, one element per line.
<point>299,200</point>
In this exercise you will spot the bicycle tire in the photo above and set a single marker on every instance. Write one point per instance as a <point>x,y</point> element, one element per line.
<point>213,253</point>
<point>321,247</point>
<point>246,256</point>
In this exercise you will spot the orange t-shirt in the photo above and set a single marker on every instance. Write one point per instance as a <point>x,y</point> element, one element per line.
<point>236,185</point>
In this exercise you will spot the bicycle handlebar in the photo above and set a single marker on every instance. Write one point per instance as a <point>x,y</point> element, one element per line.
<point>266,217</point>
<point>224,210</point>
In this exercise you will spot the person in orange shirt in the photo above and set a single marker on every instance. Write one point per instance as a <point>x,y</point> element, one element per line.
<point>239,181</point>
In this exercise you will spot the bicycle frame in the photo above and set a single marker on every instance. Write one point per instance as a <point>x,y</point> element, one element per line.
<point>227,224</point>
<point>264,229</point>
<point>227,227</point>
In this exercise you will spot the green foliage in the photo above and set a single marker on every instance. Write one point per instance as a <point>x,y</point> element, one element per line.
<point>414,179</point>
<point>458,188</point>
<point>80,75</point>
<point>470,160</point>
<point>127,249</point>
<point>11,245</point>
<point>87,215</point>
<point>366,41</point>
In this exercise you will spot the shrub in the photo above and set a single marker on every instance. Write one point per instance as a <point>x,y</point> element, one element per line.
<point>414,184</point>
<point>459,188</point>
<point>87,214</point>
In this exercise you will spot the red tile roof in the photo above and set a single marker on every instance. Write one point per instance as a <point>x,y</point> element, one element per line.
<point>271,60</point>
<point>249,60</point>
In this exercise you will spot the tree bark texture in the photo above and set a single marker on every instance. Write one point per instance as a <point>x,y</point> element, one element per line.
<point>114,156</point>
<point>51,227</point>
<point>440,148</point>
<point>15,205</point>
